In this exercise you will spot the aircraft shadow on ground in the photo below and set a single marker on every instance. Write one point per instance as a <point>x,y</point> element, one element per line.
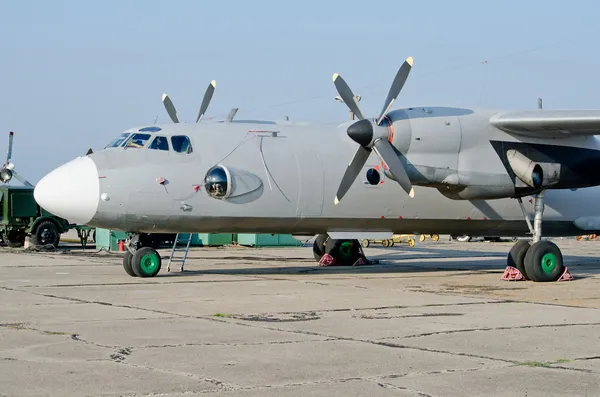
<point>392,261</point>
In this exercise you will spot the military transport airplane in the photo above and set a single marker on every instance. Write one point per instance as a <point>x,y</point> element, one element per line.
<point>428,170</point>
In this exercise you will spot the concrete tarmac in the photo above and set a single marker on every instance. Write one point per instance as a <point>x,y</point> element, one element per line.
<point>432,320</point>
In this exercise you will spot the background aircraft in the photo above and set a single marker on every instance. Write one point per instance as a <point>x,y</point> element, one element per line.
<point>445,170</point>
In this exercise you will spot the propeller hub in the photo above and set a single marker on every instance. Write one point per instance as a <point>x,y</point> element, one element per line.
<point>361,132</point>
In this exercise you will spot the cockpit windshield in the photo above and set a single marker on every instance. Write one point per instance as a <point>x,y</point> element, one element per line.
<point>137,140</point>
<point>119,140</point>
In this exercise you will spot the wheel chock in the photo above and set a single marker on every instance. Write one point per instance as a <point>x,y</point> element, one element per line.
<point>512,274</point>
<point>327,260</point>
<point>361,261</point>
<point>566,276</point>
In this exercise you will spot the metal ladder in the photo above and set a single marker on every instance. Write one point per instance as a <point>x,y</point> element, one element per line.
<point>185,250</point>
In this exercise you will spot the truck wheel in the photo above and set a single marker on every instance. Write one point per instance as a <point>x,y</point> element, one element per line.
<point>46,234</point>
<point>146,262</point>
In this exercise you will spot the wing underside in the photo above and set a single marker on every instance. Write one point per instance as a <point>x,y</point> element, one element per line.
<point>549,123</point>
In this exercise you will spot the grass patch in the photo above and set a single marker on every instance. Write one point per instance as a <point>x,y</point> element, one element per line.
<point>221,315</point>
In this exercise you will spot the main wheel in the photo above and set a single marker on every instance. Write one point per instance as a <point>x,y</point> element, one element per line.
<point>544,262</point>
<point>435,237</point>
<point>345,252</point>
<point>411,242</point>
<point>516,256</point>
<point>46,234</point>
<point>385,243</point>
<point>127,263</point>
<point>319,247</point>
<point>146,262</point>
<point>365,243</point>
<point>422,238</point>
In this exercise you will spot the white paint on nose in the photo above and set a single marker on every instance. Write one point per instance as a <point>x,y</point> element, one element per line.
<point>71,191</point>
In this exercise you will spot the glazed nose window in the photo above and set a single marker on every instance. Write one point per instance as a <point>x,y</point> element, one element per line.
<point>216,182</point>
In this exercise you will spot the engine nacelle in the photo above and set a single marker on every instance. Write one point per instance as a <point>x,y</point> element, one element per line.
<point>527,170</point>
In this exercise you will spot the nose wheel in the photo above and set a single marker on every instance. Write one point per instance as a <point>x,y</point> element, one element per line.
<point>139,260</point>
<point>540,260</point>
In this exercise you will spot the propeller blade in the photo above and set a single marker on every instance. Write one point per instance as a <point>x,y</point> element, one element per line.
<point>358,161</point>
<point>10,143</point>
<point>90,151</point>
<point>396,87</point>
<point>386,152</point>
<point>347,95</point>
<point>207,97</point>
<point>20,178</point>
<point>170,108</point>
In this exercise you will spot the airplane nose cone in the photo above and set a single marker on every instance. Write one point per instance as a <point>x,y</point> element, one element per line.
<point>71,191</point>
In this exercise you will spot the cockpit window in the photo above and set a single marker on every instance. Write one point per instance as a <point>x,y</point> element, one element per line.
<point>181,144</point>
<point>137,140</point>
<point>159,143</point>
<point>120,139</point>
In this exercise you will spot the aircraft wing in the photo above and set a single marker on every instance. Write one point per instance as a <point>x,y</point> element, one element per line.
<point>549,123</point>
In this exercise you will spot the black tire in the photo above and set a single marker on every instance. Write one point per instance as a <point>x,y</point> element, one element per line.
<point>516,256</point>
<point>127,258</point>
<point>15,239</point>
<point>544,262</point>
<point>319,246</point>
<point>345,252</point>
<point>46,233</point>
<point>146,262</point>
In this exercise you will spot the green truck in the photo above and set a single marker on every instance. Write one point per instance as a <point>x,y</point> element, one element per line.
<point>20,216</point>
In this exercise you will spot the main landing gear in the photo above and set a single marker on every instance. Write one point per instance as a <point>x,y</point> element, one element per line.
<point>141,260</point>
<point>540,260</point>
<point>344,252</point>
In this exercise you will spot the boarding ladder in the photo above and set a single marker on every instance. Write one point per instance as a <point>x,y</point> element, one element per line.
<point>180,259</point>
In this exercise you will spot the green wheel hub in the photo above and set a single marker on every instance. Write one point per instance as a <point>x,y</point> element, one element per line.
<point>346,248</point>
<point>548,263</point>
<point>149,262</point>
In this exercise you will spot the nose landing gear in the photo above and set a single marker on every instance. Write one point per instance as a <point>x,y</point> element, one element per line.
<point>141,260</point>
<point>541,260</point>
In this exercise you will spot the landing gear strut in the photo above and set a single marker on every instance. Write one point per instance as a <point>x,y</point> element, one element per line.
<point>540,260</point>
<point>140,260</point>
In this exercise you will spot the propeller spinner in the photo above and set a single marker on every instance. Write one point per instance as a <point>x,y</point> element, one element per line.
<point>373,134</point>
<point>205,102</point>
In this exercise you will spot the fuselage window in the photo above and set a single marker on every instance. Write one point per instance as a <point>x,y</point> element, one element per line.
<point>137,140</point>
<point>181,144</point>
<point>120,139</point>
<point>159,143</point>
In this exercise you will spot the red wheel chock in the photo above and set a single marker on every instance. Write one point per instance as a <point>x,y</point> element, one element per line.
<point>328,260</point>
<point>513,274</point>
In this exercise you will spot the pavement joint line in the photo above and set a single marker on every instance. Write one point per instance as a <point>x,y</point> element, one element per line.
<point>491,329</point>
<point>222,385</point>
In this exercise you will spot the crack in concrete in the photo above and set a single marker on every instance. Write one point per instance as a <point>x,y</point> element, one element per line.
<point>457,331</point>
<point>394,387</point>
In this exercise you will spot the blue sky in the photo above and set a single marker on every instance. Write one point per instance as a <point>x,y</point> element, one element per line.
<point>74,74</point>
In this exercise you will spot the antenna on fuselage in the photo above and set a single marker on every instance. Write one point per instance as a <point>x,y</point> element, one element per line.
<point>540,103</point>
